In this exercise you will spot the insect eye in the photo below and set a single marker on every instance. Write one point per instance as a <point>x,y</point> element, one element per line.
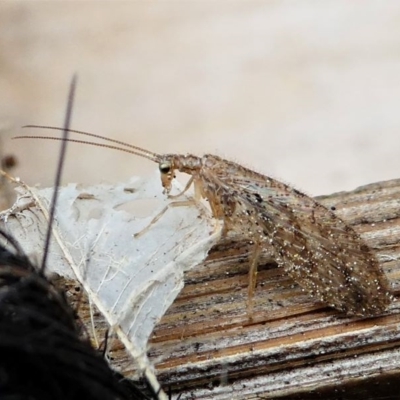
<point>165,168</point>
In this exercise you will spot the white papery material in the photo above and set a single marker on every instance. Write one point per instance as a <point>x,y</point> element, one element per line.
<point>131,280</point>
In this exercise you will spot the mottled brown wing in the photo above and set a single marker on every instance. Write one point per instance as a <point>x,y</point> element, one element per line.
<point>317,249</point>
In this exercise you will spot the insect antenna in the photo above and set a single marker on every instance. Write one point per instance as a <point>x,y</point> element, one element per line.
<point>131,149</point>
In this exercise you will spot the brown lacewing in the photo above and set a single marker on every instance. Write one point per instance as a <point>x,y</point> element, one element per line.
<point>321,253</point>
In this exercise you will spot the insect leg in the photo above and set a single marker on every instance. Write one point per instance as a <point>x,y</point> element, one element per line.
<point>190,181</point>
<point>254,259</point>
<point>183,203</point>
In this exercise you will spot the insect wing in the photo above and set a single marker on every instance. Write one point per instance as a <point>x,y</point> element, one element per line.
<point>317,249</point>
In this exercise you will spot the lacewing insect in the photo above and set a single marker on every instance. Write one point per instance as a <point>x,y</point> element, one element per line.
<point>321,253</point>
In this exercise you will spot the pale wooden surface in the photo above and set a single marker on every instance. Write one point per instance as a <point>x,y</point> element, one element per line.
<point>205,347</point>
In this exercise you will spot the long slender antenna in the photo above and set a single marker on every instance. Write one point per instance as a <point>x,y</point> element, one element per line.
<point>60,166</point>
<point>131,146</point>
<point>149,156</point>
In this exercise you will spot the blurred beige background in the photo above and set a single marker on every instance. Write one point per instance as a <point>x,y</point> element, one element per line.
<point>307,91</point>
